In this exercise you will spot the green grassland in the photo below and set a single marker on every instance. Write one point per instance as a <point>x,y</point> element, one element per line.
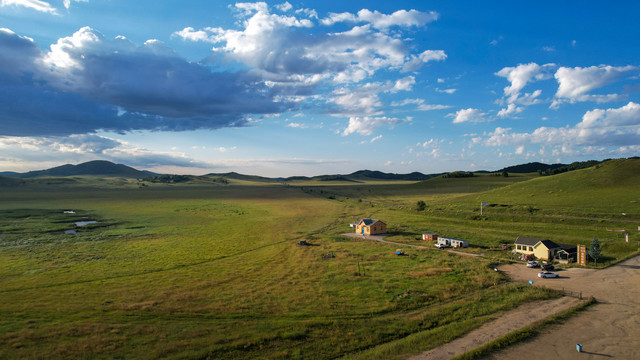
<point>213,269</point>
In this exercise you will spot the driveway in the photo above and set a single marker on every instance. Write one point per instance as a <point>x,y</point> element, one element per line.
<point>610,329</point>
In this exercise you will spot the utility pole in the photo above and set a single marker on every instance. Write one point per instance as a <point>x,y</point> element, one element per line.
<point>483,204</point>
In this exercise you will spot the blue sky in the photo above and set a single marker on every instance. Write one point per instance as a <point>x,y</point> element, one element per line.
<point>317,87</point>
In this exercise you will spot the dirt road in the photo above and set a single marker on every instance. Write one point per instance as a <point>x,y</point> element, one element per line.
<point>610,329</point>
<point>504,324</point>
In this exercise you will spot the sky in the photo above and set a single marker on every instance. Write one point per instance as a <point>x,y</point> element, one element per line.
<point>317,87</point>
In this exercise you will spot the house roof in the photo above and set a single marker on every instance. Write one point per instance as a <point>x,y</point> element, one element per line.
<point>549,244</point>
<point>533,241</point>
<point>570,249</point>
<point>368,222</point>
<point>527,241</point>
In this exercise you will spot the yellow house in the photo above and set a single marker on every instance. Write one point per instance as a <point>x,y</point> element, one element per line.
<point>540,248</point>
<point>370,227</point>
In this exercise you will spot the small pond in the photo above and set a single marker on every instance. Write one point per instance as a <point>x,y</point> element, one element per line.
<point>83,223</point>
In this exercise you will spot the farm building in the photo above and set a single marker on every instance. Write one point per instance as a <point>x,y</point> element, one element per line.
<point>566,253</point>
<point>459,243</point>
<point>453,242</point>
<point>431,237</point>
<point>370,227</point>
<point>540,248</point>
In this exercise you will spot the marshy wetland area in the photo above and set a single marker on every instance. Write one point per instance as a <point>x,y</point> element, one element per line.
<point>95,268</point>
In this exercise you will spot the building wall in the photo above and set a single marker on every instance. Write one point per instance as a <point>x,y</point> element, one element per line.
<point>459,243</point>
<point>360,227</point>
<point>541,252</point>
<point>377,228</point>
<point>524,249</point>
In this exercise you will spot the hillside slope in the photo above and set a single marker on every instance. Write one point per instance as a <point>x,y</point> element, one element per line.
<point>611,186</point>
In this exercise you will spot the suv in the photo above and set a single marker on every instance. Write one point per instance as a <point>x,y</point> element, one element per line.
<point>547,267</point>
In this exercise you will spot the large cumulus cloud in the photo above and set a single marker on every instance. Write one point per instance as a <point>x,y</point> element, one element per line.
<point>298,53</point>
<point>86,82</point>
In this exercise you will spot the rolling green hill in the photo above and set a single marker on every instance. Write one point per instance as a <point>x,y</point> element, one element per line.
<point>97,167</point>
<point>611,186</point>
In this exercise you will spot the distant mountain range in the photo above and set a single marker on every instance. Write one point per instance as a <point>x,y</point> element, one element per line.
<point>109,169</point>
<point>96,168</point>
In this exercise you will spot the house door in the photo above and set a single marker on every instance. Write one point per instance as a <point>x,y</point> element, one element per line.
<point>363,230</point>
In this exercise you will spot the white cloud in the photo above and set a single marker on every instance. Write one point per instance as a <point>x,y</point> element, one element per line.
<point>421,105</point>
<point>376,138</point>
<point>67,3</point>
<point>626,116</point>
<point>286,6</point>
<point>614,127</point>
<point>190,34</point>
<point>520,150</point>
<point>398,18</point>
<point>468,115</point>
<point>407,102</point>
<point>381,21</point>
<point>249,8</point>
<point>223,149</point>
<point>336,18</point>
<point>575,83</point>
<point>366,125</point>
<point>522,74</point>
<point>297,125</point>
<point>310,13</point>
<point>404,84</point>
<point>365,100</point>
<point>37,5</point>
<point>446,91</point>
<point>511,109</point>
<point>415,62</point>
<point>353,102</point>
<point>431,143</point>
<point>429,107</point>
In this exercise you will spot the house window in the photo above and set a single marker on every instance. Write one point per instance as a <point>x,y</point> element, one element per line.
<point>518,247</point>
<point>530,248</point>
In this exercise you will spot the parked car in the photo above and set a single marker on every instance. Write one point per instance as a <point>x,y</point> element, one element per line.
<point>441,246</point>
<point>547,274</point>
<point>547,267</point>
<point>532,264</point>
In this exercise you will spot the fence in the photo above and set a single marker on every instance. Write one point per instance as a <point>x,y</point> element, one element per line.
<point>575,294</point>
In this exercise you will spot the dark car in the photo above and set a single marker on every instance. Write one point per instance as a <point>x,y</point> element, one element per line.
<point>547,267</point>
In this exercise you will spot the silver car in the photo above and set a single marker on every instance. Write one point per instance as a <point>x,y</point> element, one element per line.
<point>547,274</point>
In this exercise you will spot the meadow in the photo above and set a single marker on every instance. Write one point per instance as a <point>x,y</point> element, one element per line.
<point>214,270</point>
